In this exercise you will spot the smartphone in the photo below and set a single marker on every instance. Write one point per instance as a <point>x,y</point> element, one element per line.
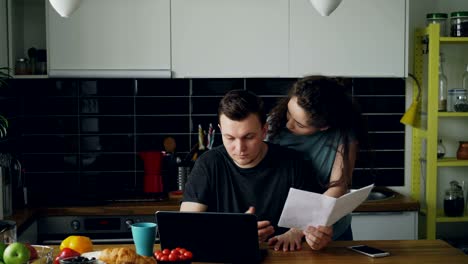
<point>369,251</point>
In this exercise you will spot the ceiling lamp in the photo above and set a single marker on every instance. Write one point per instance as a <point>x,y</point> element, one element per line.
<point>65,7</point>
<point>325,7</point>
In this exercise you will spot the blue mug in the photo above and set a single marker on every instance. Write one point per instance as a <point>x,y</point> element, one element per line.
<point>144,234</point>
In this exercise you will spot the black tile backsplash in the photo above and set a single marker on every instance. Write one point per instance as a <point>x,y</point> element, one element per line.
<point>88,133</point>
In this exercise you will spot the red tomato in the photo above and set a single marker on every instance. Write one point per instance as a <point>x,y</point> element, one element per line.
<point>182,251</point>
<point>166,251</point>
<point>173,257</point>
<point>175,252</point>
<point>188,254</point>
<point>164,258</point>
<point>158,255</point>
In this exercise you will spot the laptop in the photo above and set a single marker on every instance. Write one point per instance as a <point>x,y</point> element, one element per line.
<point>212,237</point>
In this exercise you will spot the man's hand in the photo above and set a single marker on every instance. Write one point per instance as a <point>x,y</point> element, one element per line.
<point>289,241</point>
<point>318,237</point>
<point>265,229</point>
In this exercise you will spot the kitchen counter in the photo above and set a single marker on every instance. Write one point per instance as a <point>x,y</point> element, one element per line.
<point>24,216</point>
<point>401,251</point>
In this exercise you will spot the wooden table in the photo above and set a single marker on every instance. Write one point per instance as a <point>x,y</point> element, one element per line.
<point>401,251</point>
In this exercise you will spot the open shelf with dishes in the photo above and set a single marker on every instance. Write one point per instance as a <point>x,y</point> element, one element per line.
<point>428,172</point>
<point>27,38</point>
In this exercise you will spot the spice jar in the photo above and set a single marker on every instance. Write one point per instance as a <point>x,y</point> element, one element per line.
<point>438,18</point>
<point>462,152</point>
<point>459,24</point>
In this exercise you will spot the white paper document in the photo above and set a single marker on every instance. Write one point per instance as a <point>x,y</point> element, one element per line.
<point>304,208</point>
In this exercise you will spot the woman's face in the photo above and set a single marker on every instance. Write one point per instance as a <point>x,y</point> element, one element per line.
<point>298,119</point>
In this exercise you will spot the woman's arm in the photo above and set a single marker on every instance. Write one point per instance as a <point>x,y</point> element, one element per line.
<point>337,171</point>
<point>319,237</point>
<point>192,207</point>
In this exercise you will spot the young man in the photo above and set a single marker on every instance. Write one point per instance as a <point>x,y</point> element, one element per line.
<point>246,174</point>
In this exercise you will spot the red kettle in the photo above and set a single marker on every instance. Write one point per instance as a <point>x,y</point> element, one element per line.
<point>153,161</point>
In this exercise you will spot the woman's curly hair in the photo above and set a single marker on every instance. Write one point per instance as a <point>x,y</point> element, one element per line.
<point>328,104</point>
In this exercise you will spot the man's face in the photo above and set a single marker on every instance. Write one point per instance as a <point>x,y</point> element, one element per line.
<point>243,140</point>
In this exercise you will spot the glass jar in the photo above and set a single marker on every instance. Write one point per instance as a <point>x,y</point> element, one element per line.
<point>459,24</point>
<point>438,18</point>
<point>7,231</point>
<point>461,104</point>
<point>454,201</point>
<point>22,67</point>
<point>462,152</point>
<point>453,94</point>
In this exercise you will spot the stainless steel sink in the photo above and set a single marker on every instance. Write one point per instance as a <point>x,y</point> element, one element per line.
<point>380,195</point>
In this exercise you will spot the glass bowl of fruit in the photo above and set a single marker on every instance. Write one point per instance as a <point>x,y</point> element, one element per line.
<point>24,253</point>
<point>40,254</point>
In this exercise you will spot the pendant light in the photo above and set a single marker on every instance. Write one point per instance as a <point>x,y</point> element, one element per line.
<point>65,7</point>
<point>325,7</point>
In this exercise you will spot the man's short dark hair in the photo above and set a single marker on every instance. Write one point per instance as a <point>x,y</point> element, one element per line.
<point>239,104</point>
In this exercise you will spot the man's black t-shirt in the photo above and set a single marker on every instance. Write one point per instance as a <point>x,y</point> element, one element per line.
<point>216,181</point>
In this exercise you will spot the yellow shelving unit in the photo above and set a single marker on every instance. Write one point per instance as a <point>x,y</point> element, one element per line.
<point>425,165</point>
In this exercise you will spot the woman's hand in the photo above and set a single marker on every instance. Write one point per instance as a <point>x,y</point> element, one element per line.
<point>265,229</point>
<point>318,237</point>
<point>289,241</point>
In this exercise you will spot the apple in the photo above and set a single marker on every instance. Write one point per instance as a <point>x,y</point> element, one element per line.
<point>32,251</point>
<point>16,253</point>
<point>2,248</point>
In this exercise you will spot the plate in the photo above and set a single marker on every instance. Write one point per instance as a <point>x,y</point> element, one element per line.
<point>93,254</point>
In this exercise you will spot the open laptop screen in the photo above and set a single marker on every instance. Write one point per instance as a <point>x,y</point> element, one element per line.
<point>212,237</point>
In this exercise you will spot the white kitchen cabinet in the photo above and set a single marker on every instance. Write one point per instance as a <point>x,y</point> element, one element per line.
<point>225,38</point>
<point>111,38</point>
<point>360,38</point>
<point>3,35</point>
<point>385,225</point>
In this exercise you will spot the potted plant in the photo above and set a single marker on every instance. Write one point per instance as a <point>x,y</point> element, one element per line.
<point>4,75</point>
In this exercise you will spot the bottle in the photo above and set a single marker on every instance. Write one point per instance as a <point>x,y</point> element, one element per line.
<point>442,86</point>
<point>465,78</point>
<point>440,149</point>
